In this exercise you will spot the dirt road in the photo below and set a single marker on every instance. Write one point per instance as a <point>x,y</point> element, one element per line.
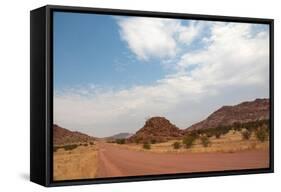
<point>117,161</point>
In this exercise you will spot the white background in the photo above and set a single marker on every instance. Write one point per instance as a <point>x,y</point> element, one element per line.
<point>14,95</point>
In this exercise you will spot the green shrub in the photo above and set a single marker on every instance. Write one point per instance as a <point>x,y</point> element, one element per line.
<point>120,141</point>
<point>237,126</point>
<point>189,140</point>
<point>176,145</point>
<point>205,141</point>
<point>70,147</point>
<point>261,134</point>
<point>146,145</point>
<point>246,134</point>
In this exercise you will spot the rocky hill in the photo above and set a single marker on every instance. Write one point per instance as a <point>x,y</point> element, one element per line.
<point>242,113</point>
<point>156,129</point>
<point>62,136</point>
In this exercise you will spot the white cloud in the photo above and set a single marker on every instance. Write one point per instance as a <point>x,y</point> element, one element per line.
<point>157,38</point>
<point>106,110</point>
<point>149,37</point>
<point>187,34</point>
<point>232,67</point>
<point>233,56</point>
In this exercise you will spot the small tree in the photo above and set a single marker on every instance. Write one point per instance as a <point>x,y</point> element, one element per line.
<point>176,145</point>
<point>246,134</point>
<point>189,140</point>
<point>146,145</point>
<point>205,141</point>
<point>120,141</point>
<point>261,134</point>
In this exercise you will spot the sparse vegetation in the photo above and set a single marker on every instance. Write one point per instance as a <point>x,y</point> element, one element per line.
<point>153,141</point>
<point>82,163</point>
<point>205,141</point>
<point>237,126</point>
<point>262,134</point>
<point>189,140</point>
<point>85,144</point>
<point>91,143</point>
<point>246,134</point>
<point>65,147</point>
<point>69,147</point>
<point>177,145</point>
<point>222,130</point>
<point>146,145</point>
<point>120,141</point>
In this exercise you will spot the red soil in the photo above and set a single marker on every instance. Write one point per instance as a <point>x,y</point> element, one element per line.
<point>114,161</point>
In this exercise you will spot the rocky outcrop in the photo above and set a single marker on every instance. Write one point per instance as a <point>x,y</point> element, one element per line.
<point>156,129</point>
<point>241,113</point>
<point>62,136</point>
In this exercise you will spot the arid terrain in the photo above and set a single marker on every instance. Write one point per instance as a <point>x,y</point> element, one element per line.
<point>111,160</point>
<point>75,155</point>
<point>231,138</point>
<point>78,163</point>
<point>116,161</point>
<point>228,143</point>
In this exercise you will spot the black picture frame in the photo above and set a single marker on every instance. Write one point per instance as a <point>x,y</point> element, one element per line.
<point>41,94</point>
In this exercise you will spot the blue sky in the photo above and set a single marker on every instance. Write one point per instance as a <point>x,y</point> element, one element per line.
<point>113,72</point>
<point>88,50</point>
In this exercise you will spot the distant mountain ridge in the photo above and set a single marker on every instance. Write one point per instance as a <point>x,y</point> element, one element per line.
<point>62,136</point>
<point>241,113</point>
<point>120,136</point>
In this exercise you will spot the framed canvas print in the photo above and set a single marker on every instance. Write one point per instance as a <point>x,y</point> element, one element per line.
<point>122,95</point>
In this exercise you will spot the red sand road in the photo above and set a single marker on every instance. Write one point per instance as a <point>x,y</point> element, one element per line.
<point>116,161</point>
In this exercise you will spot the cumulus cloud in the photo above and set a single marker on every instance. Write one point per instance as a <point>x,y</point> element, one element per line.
<point>234,56</point>
<point>187,34</point>
<point>149,37</point>
<point>157,38</point>
<point>233,66</point>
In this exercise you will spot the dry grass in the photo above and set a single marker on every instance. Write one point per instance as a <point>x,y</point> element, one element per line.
<point>228,143</point>
<point>79,163</point>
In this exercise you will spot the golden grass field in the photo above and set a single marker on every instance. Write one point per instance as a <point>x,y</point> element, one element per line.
<point>228,143</point>
<point>79,163</point>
